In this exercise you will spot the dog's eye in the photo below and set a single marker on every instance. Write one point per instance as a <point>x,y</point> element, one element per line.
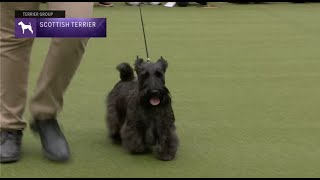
<point>158,74</point>
<point>145,75</point>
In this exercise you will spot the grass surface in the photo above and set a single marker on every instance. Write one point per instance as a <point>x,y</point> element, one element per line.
<point>245,86</point>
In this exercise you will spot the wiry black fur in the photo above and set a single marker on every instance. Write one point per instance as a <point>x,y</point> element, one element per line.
<point>131,119</point>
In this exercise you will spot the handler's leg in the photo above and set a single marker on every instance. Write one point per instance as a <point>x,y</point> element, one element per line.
<point>61,63</point>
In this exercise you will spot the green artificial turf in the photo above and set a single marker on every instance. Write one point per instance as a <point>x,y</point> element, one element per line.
<point>245,82</point>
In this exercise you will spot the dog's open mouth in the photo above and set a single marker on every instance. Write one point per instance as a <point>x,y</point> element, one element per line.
<point>154,101</point>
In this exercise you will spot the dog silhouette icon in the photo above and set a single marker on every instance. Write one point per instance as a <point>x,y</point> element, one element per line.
<point>25,26</point>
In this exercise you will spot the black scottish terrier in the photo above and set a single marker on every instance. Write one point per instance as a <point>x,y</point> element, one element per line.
<point>139,111</point>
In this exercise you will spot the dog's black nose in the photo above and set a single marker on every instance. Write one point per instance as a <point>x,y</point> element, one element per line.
<point>154,92</point>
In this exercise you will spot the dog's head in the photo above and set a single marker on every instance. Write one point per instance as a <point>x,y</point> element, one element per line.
<point>151,77</point>
<point>20,23</point>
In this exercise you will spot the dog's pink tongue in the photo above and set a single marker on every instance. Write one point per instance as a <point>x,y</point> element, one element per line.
<point>155,101</point>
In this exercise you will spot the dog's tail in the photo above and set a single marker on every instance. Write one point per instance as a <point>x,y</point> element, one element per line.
<point>126,72</point>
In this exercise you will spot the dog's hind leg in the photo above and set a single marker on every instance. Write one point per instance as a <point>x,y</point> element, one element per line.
<point>114,123</point>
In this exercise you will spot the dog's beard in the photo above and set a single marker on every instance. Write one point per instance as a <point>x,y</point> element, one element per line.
<point>163,98</point>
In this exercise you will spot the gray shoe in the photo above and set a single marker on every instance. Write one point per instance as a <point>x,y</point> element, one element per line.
<point>54,143</point>
<point>10,145</point>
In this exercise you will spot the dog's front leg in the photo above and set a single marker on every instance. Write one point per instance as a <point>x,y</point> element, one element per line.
<point>167,145</point>
<point>132,139</point>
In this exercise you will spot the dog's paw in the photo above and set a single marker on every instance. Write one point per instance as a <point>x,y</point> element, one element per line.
<point>165,157</point>
<point>139,151</point>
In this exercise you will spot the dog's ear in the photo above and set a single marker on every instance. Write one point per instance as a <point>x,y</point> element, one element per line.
<point>163,63</point>
<point>138,63</point>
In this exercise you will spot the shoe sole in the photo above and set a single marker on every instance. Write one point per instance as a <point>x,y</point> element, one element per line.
<point>52,158</point>
<point>9,160</point>
<point>35,131</point>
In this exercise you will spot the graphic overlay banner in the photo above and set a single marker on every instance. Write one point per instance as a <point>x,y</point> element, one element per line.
<point>60,27</point>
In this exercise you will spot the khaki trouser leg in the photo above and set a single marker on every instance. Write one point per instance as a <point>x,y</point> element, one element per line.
<point>14,66</point>
<point>60,65</point>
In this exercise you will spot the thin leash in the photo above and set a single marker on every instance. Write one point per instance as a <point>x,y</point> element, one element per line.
<point>144,34</point>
